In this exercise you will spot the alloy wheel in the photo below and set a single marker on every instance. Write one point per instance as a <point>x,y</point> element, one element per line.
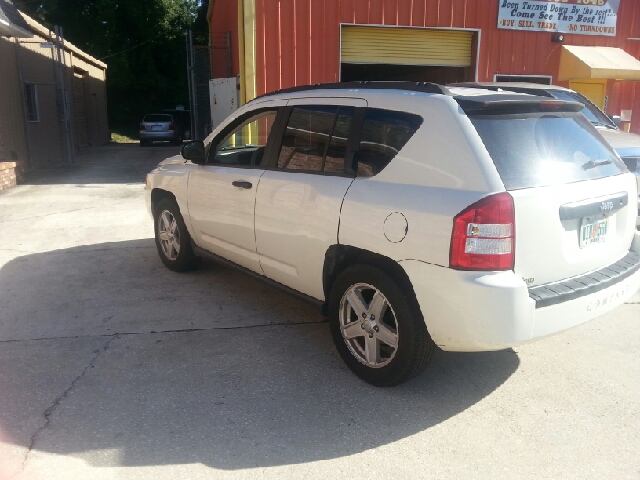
<point>369,325</point>
<point>169,235</point>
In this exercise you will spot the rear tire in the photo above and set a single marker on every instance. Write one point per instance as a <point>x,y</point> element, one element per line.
<point>172,238</point>
<point>145,143</point>
<point>366,343</point>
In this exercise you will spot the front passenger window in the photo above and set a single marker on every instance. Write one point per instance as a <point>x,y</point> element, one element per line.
<point>245,143</point>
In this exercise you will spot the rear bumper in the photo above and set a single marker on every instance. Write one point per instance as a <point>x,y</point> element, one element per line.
<point>480,311</point>
<point>161,135</point>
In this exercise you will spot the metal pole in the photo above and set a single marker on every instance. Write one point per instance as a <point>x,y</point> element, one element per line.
<point>62,93</point>
<point>65,102</point>
<point>195,127</point>
<point>229,65</point>
<point>186,47</point>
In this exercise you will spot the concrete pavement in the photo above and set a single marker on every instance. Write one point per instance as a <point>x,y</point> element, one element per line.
<point>111,366</point>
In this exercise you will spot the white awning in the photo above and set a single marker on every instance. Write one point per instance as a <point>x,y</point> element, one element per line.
<point>578,62</point>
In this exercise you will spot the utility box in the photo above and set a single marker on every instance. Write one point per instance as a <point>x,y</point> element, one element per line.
<point>224,95</point>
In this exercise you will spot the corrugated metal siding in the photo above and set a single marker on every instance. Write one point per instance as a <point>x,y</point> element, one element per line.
<point>224,18</point>
<point>405,46</point>
<point>298,41</point>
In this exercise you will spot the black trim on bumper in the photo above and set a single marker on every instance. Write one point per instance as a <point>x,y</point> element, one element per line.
<point>576,287</point>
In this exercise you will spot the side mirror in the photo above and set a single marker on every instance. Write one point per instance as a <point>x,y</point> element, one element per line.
<point>616,119</point>
<point>194,151</point>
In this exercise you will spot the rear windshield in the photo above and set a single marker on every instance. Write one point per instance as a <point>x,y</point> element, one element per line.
<point>157,118</point>
<point>590,111</point>
<point>534,150</point>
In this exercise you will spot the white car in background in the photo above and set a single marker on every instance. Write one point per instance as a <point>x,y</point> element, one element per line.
<point>160,127</point>
<point>412,214</point>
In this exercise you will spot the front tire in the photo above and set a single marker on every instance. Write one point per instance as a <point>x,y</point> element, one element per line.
<point>172,238</point>
<point>377,327</point>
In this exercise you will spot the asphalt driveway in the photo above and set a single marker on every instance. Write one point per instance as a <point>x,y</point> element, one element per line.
<point>111,366</point>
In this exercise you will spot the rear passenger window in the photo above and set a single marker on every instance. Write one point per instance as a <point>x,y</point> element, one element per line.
<point>384,133</point>
<point>316,139</point>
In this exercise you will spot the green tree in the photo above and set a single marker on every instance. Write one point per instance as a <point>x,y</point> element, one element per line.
<point>142,42</point>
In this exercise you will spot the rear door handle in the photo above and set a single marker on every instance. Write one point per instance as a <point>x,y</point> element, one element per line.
<point>242,184</point>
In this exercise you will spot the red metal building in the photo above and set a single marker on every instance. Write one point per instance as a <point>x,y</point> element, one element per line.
<point>282,43</point>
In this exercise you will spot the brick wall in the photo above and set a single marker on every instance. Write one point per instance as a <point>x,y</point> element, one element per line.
<point>7,175</point>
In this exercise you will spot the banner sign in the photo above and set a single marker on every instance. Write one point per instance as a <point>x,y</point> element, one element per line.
<point>582,17</point>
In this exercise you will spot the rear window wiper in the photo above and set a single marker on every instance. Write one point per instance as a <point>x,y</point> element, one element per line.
<point>595,163</point>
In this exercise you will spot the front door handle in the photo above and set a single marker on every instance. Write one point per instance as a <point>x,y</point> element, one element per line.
<point>242,184</point>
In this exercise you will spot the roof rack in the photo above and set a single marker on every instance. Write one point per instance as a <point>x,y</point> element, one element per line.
<point>538,92</point>
<point>422,87</point>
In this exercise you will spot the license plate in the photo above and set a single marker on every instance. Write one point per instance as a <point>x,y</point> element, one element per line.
<point>593,230</point>
<point>156,127</point>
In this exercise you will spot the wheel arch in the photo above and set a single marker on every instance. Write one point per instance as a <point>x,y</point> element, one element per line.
<point>157,195</point>
<point>340,257</point>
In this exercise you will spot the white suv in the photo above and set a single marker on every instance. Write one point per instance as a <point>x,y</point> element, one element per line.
<point>412,214</point>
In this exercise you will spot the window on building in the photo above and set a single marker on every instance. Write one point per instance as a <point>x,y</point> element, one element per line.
<point>316,139</point>
<point>542,79</point>
<point>384,134</point>
<point>31,100</point>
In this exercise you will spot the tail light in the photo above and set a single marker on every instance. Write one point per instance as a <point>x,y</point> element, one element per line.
<point>173,126</point>
<point>142,127</point>
<point>552,104</point>
<point>483,235</point>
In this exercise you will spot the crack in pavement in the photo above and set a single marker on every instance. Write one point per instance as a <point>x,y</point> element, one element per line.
<point>153,332</point>
<point>58,400</point>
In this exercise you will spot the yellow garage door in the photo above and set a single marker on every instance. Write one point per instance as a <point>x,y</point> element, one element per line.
<point>406,46</point>
<point>594,90</point>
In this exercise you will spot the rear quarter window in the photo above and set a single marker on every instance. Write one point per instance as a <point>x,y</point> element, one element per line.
<point>540,149</point>
<point>384,134</point>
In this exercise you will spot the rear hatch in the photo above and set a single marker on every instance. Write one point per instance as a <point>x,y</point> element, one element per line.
<point>574,200</point>
<point>156,123</point>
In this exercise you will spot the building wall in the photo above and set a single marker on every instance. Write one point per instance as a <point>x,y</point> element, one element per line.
<point>298,41</point>
<point>223,17</point>
<point>43,142</point>
<point>11,117</point>
<point>45,135</point>
<point>95,91</point>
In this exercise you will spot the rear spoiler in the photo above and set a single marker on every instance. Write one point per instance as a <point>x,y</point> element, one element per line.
<point>505,104</point>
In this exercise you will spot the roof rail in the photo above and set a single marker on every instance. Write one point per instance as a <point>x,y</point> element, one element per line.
<point>422,87</point>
